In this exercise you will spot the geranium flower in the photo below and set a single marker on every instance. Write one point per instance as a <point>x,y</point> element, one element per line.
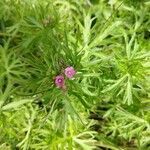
<point>59,81</point>
<point>69,72</point>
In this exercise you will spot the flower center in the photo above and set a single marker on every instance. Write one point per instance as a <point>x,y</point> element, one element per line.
<point>69,72</point>
<point>59,80</point>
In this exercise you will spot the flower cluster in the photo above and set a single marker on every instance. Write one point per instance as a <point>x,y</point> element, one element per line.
<point>60,79</point>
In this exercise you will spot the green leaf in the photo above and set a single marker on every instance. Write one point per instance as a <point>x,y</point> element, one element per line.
<point>115,86</point>
<point>128,92</point>
<point>16,104</point>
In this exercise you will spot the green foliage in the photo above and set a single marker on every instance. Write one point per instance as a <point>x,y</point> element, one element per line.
<point>107,103</point>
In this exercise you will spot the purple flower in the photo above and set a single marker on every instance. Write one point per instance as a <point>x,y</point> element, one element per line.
<point>59,81</point>
<point>70,72</point>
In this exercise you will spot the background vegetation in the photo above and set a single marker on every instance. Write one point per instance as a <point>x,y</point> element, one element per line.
<point>106,106</point>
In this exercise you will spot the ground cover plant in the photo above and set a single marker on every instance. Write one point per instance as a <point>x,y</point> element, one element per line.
<point>74,75</point>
